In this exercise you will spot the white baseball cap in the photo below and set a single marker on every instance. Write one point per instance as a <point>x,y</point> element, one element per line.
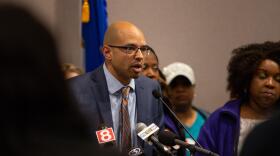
<point>178,69</point>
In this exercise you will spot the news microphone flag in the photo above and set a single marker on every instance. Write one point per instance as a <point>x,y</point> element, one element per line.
<point>148,131</point>
<point>148,135</point>
<point>105,135</point>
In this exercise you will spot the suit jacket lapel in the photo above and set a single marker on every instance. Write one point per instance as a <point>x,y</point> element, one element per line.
<point>102,97</point>
<point>141,109</point>
<point>140,96</point>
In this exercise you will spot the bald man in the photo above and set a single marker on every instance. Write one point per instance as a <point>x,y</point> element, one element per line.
<point>99,92</point>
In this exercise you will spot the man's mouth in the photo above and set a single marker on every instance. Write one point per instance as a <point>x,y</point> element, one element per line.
<point>137,68</point>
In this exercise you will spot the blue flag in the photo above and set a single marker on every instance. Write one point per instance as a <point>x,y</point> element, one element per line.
<point>93,33</point>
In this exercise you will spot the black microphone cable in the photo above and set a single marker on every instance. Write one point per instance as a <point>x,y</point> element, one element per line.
<point>157,95</point>
<point>170,139</point>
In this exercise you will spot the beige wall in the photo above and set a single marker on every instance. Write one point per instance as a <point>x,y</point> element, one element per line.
<point>68,29</point>
<point>44,10</point>
<point>63,18</point>
<point>198,32</point>
<point>201,33</point>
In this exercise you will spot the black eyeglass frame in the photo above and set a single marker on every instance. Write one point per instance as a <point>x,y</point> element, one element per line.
<point>129,49</point>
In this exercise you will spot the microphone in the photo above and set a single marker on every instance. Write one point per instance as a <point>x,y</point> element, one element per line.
<point>136,151</point>
<point>157,95</point>
<point>170,139</point>
<point>148,135</point>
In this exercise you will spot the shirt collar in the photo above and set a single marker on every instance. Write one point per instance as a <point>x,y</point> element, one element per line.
<point>113,84</point>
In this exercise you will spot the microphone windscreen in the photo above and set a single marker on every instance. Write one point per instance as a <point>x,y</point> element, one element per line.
<point>156,94</point>
<point>140,126</point>
<point>167,138</point>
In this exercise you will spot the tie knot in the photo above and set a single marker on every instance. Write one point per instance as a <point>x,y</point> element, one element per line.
<point>125,92</point>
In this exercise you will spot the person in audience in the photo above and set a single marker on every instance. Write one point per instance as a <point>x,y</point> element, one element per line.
<point>254,86</point>
<point>260,140</point>
<point>70,70</point>
<point>38,116</point>
<point>181,92</point>
<point>114,94</point>
<point>151,70</point>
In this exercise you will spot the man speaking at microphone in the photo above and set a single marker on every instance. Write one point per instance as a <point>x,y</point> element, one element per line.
<point>114,95</point>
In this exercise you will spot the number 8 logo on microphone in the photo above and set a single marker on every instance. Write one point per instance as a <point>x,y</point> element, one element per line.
<point>105,135</point>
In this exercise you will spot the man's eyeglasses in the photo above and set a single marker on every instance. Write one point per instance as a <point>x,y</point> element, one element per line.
<point>132,49</point>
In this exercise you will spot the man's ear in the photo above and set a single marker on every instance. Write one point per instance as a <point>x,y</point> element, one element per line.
<point>107,53</point>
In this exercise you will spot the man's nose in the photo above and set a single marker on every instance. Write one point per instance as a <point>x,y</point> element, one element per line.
<point>139,55</point>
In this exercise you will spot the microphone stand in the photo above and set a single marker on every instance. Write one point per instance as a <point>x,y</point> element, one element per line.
<point>158,96</point>
<point>193,148</point>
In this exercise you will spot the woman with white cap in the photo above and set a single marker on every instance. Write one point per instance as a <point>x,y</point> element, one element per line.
<point>181,90</point>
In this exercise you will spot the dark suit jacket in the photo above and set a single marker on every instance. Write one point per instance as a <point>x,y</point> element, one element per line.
<point>92,94</point>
